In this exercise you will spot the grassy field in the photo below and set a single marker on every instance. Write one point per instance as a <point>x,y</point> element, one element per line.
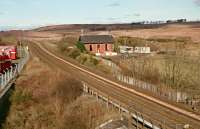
<point>169,30</point>
<point>8,40</point>
<point>182,45</point>
<point>174,62</point>
<point>169,71</point>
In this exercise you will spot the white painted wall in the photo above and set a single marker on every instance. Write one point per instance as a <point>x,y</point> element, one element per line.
<point>142,50</point>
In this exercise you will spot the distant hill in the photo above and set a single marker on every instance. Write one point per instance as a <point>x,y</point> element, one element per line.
<point>110,27</point>
<point>96,27</point>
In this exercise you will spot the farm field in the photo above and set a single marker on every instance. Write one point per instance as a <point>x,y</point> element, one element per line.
<point>166,31</point>
<point>172,31</point>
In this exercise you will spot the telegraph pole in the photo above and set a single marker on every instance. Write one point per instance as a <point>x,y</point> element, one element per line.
<point>20,43</point>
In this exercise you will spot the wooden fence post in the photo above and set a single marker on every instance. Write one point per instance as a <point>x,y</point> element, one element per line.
<point>130,120</point>
<point>142,121</point>
<point>97,96</point>
<point>163,126</point>
<point>108,102</point>
<point>119,108</point>
<point>136,120</point>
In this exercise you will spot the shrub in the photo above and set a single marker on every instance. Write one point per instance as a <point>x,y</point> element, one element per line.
<point>131,41</point>
<point>72,121</point>
<point>64,43</point>
<point>116,47</point>
<point>74,53</point>
<point>62,47</point>
<point>83,58</point>
<point>94,61</point>
<point>80,46</point>
<point>104,68</point>
<point>68,90</point>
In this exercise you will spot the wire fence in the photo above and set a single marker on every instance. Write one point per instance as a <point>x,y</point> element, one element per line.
<point>11,73</point>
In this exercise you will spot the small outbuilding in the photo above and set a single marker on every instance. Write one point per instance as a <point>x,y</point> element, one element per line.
<point>98,44</point>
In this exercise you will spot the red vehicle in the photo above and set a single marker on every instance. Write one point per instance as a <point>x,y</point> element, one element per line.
<point>5,65</point>
<point>10,51</point>
<point>7,54</point>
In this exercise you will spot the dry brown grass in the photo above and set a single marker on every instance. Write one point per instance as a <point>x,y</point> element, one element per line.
<point>167,32</point>
<point>86,113</point>
<point>176,72</point>
<point>46,98</point>
<point>39,36</point>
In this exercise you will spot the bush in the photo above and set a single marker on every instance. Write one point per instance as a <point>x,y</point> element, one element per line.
<point>116,47</point>
<point>94,61</point>
<point>64,43</point>
<point>131,41</point>
<point>68,90</point>
<point>74,53</point>
<point>72,121</point>
<point>104,68</point>
<point>62,47</point>
<point>80,46</point>
<point>83,58</point>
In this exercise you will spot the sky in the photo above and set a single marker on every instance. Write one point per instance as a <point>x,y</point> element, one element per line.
<point>26,13</point>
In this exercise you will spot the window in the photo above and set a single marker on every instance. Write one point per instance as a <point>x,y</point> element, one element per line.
<point>90,47</point>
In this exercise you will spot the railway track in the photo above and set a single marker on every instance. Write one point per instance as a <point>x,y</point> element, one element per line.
<point>156,109</point>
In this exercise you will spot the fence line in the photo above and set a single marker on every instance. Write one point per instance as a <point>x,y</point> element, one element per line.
<point>161,91</point>
<point>137,119</point>
<point>11,73</point>
<point>167,93</point>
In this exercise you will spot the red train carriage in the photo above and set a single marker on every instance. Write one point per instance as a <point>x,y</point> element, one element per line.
<point>5,65</point>
<point>10,51</point>
<point>7,54</point>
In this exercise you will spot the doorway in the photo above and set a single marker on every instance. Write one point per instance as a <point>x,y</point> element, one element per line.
<point>98,48</point>
<point>90,47</point>
<point>106,47</point>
